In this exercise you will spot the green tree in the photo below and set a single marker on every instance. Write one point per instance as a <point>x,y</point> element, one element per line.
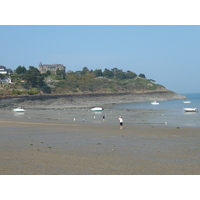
<point>72,82</point>
<point>34,78</point>
<point>114,70</point>
<point>20,70</point>
<point>98,72</point>
<point>120,74</point>
<point>152,80</point>
<point>60,73</point>
<point>86,82</point>
<point>130,75</point>
<point>142,76</point>
<point>77,73</point>
<point>48,73</point>
<point>108,73</point>
<point>84,71</point>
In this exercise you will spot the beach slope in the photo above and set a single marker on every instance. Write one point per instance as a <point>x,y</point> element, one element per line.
<point>46,148</point>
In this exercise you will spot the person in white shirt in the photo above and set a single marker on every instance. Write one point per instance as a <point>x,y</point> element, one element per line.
<point>121,122</point>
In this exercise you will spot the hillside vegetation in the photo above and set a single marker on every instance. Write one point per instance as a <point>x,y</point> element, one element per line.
<point>32,82</point>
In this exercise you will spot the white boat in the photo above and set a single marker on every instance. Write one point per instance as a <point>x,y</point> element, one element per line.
<point>19,109</point>
<point>155,103</point>
<point>97,109</point>
<point>186,101</point>
<point>190,109</point>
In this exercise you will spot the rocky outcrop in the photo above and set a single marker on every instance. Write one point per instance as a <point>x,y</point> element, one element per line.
<point>86,100</point>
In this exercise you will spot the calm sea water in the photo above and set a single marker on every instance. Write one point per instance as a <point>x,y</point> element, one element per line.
<point>165,105</point>
<point>167,113</point>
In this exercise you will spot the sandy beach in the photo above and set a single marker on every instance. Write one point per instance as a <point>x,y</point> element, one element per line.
<point>58,148</point>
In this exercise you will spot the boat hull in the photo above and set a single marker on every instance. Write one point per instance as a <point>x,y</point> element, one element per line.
<point>19,110</point>
<point>190,109</point>
<point>154,103</point>
<point>96,109</point>
<point>186,101</point>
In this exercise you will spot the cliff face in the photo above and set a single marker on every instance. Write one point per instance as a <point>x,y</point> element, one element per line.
<point>86,100</point>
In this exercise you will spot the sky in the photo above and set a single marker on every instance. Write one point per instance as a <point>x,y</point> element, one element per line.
<point>169,54</point>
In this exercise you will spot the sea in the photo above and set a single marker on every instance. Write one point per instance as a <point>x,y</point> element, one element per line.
<point>167,113</point>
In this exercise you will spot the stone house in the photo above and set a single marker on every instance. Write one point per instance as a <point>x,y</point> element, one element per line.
<point>52,68</point>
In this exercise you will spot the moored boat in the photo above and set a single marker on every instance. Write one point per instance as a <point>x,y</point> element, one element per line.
<point>19,109</point>
<point>190,109</point>
<point>96,109</point>
<point>155,103</point>
<point>186,101</point>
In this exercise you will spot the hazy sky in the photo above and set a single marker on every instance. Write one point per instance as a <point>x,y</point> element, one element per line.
<point>167,54</point>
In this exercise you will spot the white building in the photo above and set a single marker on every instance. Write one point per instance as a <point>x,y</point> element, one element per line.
<point>3,70</point>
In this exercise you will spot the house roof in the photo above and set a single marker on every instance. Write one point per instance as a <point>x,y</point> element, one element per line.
<point>4,70</point>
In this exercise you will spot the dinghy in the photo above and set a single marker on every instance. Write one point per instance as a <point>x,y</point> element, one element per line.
<point>19,109</point>
<point>96,109</point>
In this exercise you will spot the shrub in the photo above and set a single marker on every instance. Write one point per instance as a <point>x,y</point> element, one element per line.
<point>32,92</point>
<point>16,92</point>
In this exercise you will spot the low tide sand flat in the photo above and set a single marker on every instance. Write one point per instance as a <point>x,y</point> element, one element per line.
<point>78,148</point>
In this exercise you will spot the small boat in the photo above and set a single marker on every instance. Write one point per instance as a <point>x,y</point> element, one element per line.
<point>190,109</point>
<point>95,109</point>
<point>19,109</point>
<point>155,103</point>
<point>186,101</point>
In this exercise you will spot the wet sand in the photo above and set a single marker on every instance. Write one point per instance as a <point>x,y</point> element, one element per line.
<point>48,148</point>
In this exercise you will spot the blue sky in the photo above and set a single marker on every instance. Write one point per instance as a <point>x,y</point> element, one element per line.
<point>167,54</point>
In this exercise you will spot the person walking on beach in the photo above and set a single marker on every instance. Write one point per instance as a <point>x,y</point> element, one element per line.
<point>120,122</point>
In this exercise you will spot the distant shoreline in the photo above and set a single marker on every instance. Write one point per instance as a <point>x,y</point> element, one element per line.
<point>86,100</point>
